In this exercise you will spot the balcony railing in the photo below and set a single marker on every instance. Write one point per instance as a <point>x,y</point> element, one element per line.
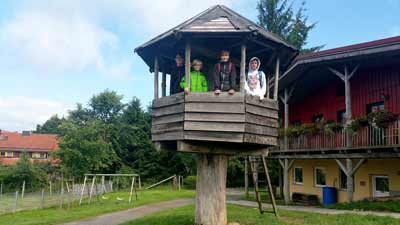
<point>365,137</point>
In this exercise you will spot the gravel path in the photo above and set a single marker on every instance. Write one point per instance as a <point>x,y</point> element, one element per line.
<point>131,214</point>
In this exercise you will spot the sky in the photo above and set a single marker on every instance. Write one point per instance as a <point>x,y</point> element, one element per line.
<point>56,53</point>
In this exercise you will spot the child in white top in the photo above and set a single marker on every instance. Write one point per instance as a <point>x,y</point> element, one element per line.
<point>255,79</point>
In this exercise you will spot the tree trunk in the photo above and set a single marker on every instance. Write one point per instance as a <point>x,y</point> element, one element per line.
<point>211,190</point>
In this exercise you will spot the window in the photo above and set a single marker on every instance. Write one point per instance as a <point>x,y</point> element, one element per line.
<point>296,123</point>
<point>7,154</point>
<point>38,155</point>
<point>318,118</point>
<point>298,175</point>
<point>376,106</point>
<point>320,177</point>
<point>341,116</point>
<point>343,180</point>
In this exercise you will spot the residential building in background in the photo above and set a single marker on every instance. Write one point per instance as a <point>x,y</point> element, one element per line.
<point>37,146</point>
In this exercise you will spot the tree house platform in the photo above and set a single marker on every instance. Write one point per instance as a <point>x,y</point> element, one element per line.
<point>233,123</point>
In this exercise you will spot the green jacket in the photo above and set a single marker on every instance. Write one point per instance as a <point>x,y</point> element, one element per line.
<point>198,82</point>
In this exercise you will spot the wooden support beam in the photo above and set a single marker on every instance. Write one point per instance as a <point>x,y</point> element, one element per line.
<point>286,165</point>
<point>211,189</point>
<point>156,70</point>
<point>246,177</point>
<point>187,64</point>
<point>243,68</point>
<point>350,180</point>
<point>277,67</point>
<point>164,84</point>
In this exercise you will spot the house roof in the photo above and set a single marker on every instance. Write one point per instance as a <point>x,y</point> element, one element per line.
<point>33,142</point>
<point>361,52</point>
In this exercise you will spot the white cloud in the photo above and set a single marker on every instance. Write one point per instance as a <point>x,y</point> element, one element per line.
<point>51,44</point>
<point>19,113</point>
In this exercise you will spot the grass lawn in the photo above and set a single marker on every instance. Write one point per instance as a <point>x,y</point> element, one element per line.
<point>97,207</point>
<point>250,216</point>
<point>390,205</point>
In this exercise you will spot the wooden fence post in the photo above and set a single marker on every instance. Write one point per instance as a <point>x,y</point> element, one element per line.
<point>23,190</point>
<point>246,177</point>
<point>16,201</point>
<point>42,199</point>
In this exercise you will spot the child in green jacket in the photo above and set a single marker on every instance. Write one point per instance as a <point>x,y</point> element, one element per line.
<point>198,82</point>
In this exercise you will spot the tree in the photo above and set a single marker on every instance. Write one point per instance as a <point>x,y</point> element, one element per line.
<point>106,106</point>
<point>23,170</point>
<point>84,149</point>
<point>51,126</point>
<point>278,17</point>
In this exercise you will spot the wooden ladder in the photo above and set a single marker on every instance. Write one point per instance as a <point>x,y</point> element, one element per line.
<point>254,162</point>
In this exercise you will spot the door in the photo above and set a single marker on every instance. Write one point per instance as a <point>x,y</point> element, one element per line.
<point>380,186</point>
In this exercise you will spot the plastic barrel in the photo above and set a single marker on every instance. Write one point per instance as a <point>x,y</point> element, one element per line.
<point>329,195</point>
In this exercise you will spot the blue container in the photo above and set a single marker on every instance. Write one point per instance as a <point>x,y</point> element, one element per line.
<point>329,195</point>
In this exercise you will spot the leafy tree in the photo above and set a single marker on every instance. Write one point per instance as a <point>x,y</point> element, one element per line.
<point>23,170</point>
<point>84,149</point>
<point>279,17</point>
<point>51,126</point>
<point>106,106</point>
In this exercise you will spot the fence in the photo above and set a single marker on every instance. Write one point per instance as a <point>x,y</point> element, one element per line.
<point>365,137</point>
<point>63,196</point>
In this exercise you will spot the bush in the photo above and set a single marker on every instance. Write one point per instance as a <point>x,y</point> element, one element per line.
<point>189,182</point>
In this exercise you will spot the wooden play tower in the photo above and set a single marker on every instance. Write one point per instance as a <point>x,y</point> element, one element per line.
<point>215,126</point>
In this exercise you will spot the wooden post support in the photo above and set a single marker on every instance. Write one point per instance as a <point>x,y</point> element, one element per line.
<point>23,190</point>
<point>350,171</point>
<point>134,188</point>
<point>91,188</point>
<point>211,189</point>
<point>1,190</point>
<point>286,165</point>
<point>285,99</point>
<point>140,183</point>
<point>164,84</point>
<point>103,186</point>
<point>350,181</point>
<point>187,64</point>
<point>254,173</point>
<point>276,79</point>
<point>83,190</point>
<point>346,79</point>
<point>130,194</point>
<point>243,68</point>
<point>62,192</point>
<point>156,77</point>
<point>246,177</point>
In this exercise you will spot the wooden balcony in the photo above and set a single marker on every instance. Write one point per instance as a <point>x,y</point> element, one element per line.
<point>366,138</point>
<point>238,122</point>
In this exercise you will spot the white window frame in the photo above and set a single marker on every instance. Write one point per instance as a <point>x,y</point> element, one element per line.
<point>294,175</point>
<point>315,176</point>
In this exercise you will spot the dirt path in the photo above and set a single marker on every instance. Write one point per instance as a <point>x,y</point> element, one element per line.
<point>317,210</point>
<point>131,214</point>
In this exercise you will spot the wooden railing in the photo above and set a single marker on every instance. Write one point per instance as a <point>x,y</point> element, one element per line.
<point>365,137</point>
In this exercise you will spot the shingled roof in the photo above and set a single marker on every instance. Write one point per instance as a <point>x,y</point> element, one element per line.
<point>216,19</point>
<point>215,28</point>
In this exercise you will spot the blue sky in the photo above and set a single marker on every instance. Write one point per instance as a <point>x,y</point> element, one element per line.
<point>54,54</point>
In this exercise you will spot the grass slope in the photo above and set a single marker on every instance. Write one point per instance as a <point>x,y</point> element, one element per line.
<point>250,216</point>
